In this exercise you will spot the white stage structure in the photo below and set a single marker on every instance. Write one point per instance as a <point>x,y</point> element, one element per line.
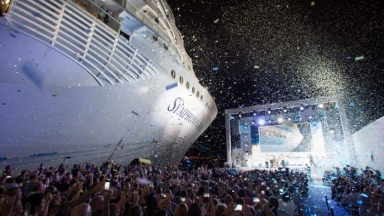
<point>292,131</point>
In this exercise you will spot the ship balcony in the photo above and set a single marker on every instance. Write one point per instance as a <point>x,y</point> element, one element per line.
<point>75,29</point>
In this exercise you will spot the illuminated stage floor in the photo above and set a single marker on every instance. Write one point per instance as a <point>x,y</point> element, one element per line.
<point>301,168</point>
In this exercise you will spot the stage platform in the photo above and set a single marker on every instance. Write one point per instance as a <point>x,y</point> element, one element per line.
<point>302,168</point>
<point>316,172</point>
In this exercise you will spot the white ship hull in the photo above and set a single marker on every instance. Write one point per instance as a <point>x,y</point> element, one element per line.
<point>53,108</point>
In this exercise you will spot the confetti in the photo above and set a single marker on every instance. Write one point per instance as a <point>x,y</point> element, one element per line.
<point>358,58</point>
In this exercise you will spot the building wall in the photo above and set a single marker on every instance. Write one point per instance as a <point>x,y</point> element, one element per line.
<point>369,145</point>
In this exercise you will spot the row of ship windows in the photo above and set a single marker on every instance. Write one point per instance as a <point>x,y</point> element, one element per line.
<point>181,80</point>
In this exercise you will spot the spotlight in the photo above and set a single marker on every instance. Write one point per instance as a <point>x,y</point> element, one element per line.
<point>301,108</point>
<point>254,113</point>
<point>261,122</point>
<point>285,109</point>
<point>321,106</point>
<point>289,119</point>
<point>269,112</point>
<point>240,114</point>
<point>280,120</point>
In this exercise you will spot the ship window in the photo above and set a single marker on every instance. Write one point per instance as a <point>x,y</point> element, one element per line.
<point>201,97</point>
<point>197,94</point>
<point>173,74</point>
<point>193,90</point>
<point>187,84</point>
<point>181,80</point>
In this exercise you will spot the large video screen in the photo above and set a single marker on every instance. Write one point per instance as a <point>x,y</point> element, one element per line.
<point>285,138</point>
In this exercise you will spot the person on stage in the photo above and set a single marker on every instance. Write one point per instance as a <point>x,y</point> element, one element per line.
<point>308,168</point>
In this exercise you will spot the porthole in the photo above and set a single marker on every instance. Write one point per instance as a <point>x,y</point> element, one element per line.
<point>197,94</point>
<point>173,74</point>
<point>181,80</point>
<point>193,90</point>
<point>201,97</point>
<point>187,84</point>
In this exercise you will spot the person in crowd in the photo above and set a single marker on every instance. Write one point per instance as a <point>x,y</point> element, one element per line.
<point>295,200</point>
<point>194,210</point>
<point>350,196</point>
<point>286,204</point>
<point>181,210</point>
<point>135,210</point>
<point>65,183</point>
<point>8,171</point>
<point>13,192</point>
<point>364,201</point>
<point>33,181</point>
<point>83,209</point>
<point>96,204</point>
<point>38,203</point>
<point>145,190</point>
<point>22,178</point>
<point>241,194</point>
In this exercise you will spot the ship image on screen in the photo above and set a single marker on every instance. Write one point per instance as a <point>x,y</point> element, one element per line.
<point>286,138</point>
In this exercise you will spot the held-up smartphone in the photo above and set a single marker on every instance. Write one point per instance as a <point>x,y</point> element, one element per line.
<point>163,195</point>
<point>255,199</point>
<point>239,207</point>
<point>206,195</point>
<point>262,192</point>
<point>182,199</point>
<point>107,184</point>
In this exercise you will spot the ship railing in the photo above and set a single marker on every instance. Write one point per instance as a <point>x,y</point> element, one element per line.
<point>97,11</point>
<point>161,26</point>
<point>179,42</point>
<point>107,56</point>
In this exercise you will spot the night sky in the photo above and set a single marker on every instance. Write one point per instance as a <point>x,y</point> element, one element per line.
<point>273,51</point>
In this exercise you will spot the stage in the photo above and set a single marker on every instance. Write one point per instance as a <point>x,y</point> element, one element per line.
<point>301,168</point>
<point>316,171</point>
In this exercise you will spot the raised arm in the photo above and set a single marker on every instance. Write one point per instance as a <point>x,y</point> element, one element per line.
<point>99,187</point>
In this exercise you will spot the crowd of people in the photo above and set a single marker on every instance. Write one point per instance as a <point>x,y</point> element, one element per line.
<point>359,191</point>
<point>142,189</point>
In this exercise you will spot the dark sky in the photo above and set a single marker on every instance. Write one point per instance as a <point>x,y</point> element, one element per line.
<point>272,51</point>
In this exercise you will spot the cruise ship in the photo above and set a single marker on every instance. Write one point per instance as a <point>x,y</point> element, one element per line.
<point>95,81</point>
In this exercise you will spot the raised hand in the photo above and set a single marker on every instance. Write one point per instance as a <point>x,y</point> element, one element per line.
<point>7,205</point>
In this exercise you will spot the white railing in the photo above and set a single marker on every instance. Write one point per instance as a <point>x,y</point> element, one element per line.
<point>163,28</point>
<point>69,28</point>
